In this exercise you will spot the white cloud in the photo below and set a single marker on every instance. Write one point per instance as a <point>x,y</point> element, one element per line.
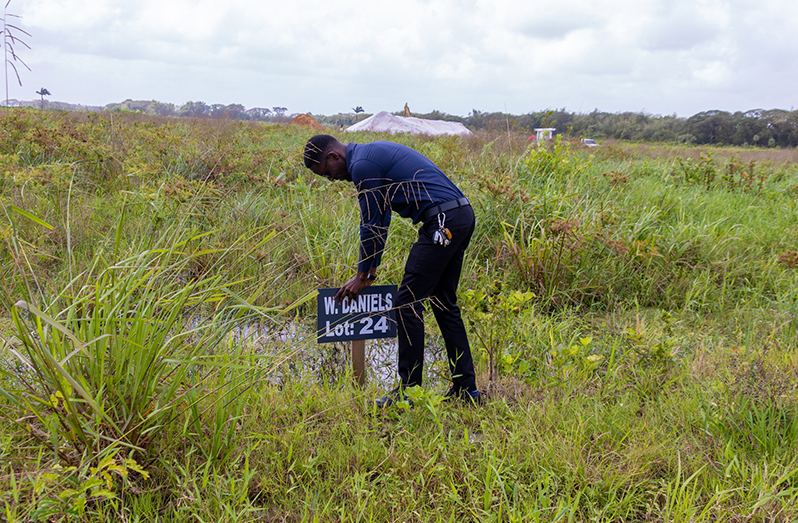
<point>713,73</point>
<point>66,15</point>
<point>452,55</point>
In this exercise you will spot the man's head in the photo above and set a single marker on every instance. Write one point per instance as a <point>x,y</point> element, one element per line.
<point>326,156</point>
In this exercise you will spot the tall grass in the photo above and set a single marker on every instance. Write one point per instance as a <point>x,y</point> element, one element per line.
<point>634,333</point>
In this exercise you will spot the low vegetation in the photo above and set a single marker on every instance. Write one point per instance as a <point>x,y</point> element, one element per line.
<point>633,310</point>
<point>756,128</point>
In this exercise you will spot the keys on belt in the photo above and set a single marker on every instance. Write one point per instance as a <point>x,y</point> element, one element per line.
<point>442,236</point>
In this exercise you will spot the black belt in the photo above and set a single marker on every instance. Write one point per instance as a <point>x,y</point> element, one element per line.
<point>434,210</point>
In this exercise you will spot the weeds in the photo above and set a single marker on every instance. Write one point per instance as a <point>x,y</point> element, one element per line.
<point>734,176</point>
<point>632,312</point>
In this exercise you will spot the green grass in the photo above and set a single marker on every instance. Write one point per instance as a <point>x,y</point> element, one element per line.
<point>632,315</point>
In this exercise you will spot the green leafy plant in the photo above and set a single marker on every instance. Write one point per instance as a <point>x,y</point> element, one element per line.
<point>736,175</point>
<point>491,314</point>
<point>73,491</point>
<point>573,362</point>
<point>700,172</point>
<point>551,158</point>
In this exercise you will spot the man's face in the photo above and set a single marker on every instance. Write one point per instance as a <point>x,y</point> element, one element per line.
<point>332,167</point>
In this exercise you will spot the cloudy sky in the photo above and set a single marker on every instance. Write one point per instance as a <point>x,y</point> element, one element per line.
<point>519,56</point>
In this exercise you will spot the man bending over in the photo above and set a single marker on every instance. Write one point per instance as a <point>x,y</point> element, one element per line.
<point>390,177</point>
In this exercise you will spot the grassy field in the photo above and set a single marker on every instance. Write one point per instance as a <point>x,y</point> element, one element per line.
<point>632,309</point>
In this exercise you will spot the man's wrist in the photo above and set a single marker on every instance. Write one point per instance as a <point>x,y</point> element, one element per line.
<point>367,276</point>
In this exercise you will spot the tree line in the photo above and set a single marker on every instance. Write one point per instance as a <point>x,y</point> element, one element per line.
<point>758,127</point>
<point>201,109</point>
<point>763,128</point>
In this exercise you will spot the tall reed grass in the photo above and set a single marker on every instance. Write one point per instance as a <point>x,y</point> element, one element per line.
<point>633,320</point>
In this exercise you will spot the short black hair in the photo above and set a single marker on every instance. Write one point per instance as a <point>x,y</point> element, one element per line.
<point>316,148</point>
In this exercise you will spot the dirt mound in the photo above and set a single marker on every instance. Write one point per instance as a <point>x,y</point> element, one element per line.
<point>307,121</point>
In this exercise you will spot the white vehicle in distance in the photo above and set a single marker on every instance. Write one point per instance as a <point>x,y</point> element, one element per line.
<point>589,142</point>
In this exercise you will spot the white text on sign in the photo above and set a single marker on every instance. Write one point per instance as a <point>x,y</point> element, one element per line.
<point>365,327</point>
<point>363,303</point>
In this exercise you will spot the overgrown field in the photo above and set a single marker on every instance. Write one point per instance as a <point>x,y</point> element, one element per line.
<point>633,311</point>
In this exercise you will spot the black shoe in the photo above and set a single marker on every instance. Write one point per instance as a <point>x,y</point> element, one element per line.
<point>393,397</point>
<point>457,394</point>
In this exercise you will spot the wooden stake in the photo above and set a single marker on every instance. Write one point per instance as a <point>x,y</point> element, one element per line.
<point>359,361</point>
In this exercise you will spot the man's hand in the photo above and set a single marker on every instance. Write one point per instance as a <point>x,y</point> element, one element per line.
<point>353,287</point>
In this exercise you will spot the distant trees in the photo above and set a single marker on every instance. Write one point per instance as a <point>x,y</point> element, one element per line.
<point>258,113</point>
<point>232,111</point>
<point>200,109</point>
<point>195,109</point>
<point>762,128</point>
<point>144,106</point>
<point>43,92</point>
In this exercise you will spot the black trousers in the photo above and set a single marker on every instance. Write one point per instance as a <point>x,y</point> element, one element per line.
<point>433,271</point>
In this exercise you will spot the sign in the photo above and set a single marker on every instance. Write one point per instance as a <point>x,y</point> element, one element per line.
<point>369,316</point>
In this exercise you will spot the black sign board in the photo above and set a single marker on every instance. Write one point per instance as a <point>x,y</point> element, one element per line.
<point>369,316</point>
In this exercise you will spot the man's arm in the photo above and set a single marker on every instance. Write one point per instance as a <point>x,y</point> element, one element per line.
<point>375,219</point>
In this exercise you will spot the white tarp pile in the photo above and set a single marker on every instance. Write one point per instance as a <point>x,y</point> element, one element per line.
<point>386,122</point>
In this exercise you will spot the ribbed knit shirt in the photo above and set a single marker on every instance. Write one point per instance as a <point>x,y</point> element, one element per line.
<point>392,177</point>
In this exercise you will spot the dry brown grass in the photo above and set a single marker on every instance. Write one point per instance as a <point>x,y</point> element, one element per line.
<point>779,156</point>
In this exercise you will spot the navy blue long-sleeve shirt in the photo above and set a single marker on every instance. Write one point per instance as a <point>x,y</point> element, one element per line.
<point>392,177</point>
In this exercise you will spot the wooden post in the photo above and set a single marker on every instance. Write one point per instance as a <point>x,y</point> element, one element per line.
<point>359,361</point>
